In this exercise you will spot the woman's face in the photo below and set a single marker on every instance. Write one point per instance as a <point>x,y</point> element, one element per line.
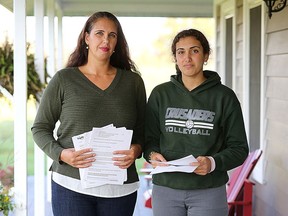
<point>102,39</point>
<point>190,57</point>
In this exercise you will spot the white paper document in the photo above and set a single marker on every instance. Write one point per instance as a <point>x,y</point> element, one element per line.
<point>104,141</point>
<point>179,165</point>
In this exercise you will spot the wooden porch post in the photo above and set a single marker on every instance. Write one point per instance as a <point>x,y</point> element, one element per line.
<point>20,108</point>
<point>39,157</point>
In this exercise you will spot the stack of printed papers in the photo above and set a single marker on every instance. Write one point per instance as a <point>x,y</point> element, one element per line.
<point>104,141</point>
<point>179,165</point>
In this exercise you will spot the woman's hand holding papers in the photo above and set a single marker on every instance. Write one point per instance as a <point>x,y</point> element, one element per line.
<point>126,158</point>
<point>79,159</point>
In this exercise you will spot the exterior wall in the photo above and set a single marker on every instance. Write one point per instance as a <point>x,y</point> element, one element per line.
<point>239,51</point>
<point>232,9</point>
<point>218,42</point>
<point>271,197</point>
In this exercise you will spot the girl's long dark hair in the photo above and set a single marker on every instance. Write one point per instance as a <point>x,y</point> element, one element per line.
<point>121,56</point>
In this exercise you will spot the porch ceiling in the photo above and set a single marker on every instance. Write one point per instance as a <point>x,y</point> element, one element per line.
<point>138,8</point>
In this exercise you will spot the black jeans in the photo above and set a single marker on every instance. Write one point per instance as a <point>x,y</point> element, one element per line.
<point>67,202</point>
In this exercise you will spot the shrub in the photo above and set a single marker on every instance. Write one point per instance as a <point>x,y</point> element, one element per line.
<point>34,84</point>
<point>6,189</point>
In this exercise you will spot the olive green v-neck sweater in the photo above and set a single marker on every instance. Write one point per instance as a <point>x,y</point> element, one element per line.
<point>79,105</point>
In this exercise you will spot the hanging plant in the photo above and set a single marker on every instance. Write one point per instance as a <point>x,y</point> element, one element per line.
<point>34,84</point>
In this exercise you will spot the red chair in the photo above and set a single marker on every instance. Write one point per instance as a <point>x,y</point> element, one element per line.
<point>240,189</point>
<point>148,198</point>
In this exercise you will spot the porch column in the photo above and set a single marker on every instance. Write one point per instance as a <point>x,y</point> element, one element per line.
<point>39,158</point>
<point>60,39</point>
<point>20,108</point>
<point>51,37</point>
<point>51,71</point>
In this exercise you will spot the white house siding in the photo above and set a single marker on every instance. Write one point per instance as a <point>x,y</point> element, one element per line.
<point>239,51</point>
<point>218,42</point>
<point>271,198</point>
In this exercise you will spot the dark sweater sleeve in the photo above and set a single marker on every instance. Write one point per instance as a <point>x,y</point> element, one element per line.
<point>152,128</point>
<point>47,115</point>
<point>235,149</point>
<point>138,132</point>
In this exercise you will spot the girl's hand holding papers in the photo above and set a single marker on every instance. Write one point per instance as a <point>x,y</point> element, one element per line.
<point>79,159</point>
<point>184,164</point>
<point>155,158</point>
<point>203,165</point>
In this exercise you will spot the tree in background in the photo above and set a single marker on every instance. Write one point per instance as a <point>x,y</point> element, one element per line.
<point>156,62</point>
<point>160,54</point>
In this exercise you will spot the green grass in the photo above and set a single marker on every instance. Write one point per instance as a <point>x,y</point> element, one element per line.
<point>139,164</point>
<point>7,145</point>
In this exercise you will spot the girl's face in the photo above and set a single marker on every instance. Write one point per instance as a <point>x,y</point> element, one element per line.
<point>190,57</point>
<point>102,39</point>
